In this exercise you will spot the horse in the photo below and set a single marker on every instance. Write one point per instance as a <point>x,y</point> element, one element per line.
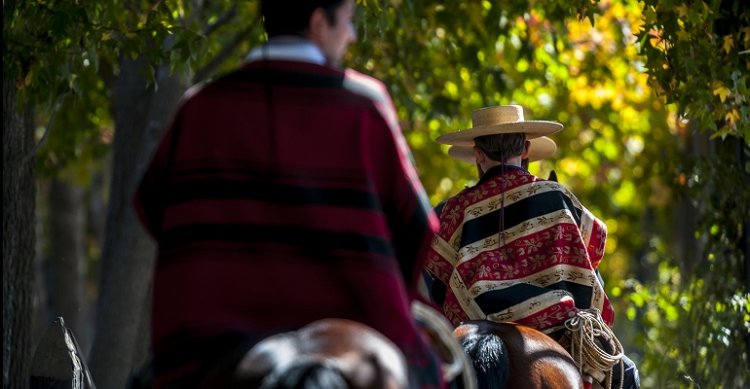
<point>510,355</point>
<point>328,353</point>
<point>338,353</point>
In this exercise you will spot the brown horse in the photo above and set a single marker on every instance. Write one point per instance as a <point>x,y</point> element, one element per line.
<point>509,355</point>
<point>328,353</point>
<point>338,353</point>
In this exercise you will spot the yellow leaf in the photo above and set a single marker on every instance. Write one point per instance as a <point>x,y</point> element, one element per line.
<point>728,44</point>
<point>722,92</point>
<point>29,78</point>
<point>636,26</point>
<point>732,116</point>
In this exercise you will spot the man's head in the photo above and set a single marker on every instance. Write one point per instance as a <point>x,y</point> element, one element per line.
<point>502,147</point>
<point>500,135</point>
<point>327,23</point>
<point>494,150</point>
<point>538,149</point>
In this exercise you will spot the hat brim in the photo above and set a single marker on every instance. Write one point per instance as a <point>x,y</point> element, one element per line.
<point>532,129</point>
<point>540,148</point>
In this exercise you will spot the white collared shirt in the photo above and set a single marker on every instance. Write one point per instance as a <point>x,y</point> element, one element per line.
<point>288,48</point>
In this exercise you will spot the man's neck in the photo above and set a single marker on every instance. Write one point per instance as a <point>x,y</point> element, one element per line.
<point>489,164</point>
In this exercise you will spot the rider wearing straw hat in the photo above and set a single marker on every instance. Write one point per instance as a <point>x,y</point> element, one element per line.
<point>516,247</point>
<point>539,149</point>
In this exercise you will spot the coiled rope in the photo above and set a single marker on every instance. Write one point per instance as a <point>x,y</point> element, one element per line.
<point>588,332</point>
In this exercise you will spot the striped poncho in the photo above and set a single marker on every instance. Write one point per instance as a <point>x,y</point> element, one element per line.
<point>518,248</point>
<point>283,193</point>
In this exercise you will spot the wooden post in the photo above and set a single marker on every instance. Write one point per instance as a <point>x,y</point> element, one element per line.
<point>58,362</point>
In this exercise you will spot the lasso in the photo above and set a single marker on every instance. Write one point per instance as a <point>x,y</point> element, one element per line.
<point>591,358</point>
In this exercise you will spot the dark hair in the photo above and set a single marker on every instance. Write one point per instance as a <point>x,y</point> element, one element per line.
<point>500,147</point>
<point>293,17</point>
<point>490,359</point>
<point>306,375</point>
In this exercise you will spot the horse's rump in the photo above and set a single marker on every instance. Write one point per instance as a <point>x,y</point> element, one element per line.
<point>533,359</point>
<point>328,353</point>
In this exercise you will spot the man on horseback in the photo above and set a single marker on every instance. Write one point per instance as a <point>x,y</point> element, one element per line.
<point>283,193</point>
<point>539,149</point>
<point>514,247</point>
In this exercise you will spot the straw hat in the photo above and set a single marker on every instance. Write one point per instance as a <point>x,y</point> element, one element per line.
<point>502,119</point>
<point>540,148</point>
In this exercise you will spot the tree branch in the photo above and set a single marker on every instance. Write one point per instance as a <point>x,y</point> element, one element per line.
<point>211,67</point>
<point>222,20</point>
<point>39,144</point>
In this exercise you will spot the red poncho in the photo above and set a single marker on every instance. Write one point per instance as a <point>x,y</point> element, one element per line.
<point>283,193</point>
<point>518,248</point>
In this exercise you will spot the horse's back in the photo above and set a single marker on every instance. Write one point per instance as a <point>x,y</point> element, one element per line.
<point>328,353</point>
<point>535,360</point>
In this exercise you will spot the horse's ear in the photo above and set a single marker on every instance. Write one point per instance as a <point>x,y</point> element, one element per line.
<point>552,176</point>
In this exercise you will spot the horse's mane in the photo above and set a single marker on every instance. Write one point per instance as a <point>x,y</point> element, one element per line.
<point>308,374</point>
<point>490,358</point>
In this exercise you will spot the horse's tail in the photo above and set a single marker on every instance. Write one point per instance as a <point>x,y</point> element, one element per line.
<point>309,374</point>
<point>490,357</point>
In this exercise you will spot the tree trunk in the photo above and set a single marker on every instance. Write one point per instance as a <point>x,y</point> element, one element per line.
<point>97,203</point>
<point>746,250</point>
<point>96,221</point>
<point>689,250</point>
<point>40,306</point>
<point>141,115</point>
<point>66,257</point>
<point>19,196</point>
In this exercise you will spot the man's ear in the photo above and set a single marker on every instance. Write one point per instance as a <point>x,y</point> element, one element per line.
<point>318,24</point>
<point>479,155</point>
<point>526,146</point>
